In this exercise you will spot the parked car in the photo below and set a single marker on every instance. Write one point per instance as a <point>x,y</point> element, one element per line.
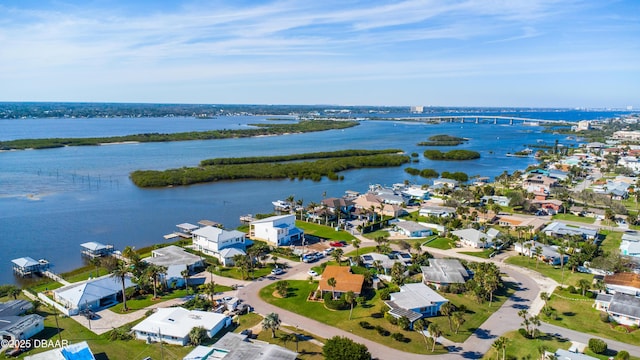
<point>336,244</point>
<point>277,271</point>
<point>312,273</point>
<point>308,258</point>
<point>328,251</point>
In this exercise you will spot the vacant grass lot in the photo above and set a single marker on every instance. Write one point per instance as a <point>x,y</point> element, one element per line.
<point>234,272</point>
<point>323,231</point>
<point>612,241</point>
<point>484,254</point>
<point>520,347</point>
<point>571,217</point>
<point>581,316</point>
<point>441,243</point>
<point>548,270</point>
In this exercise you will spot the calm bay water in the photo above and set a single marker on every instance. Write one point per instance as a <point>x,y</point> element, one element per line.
<point>53,200</point>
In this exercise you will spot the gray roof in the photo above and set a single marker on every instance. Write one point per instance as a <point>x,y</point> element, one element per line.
<point>471,235</point>
<point>172,255</point>
<point>417,295</point>
<point>238,347</point>
<point>444,271</point>
<point>16,325</point>
<point>187,226</point>
<point>25,262</point>
<point>15,307</point>
<point>231,252</point>
<point>626,305</point>
<point>399,312</point>
<point>93,246</point>
<point>604,297</point>
<point>632,236</point>
<point>411,226</point>
<point>91,290</point>
<point>568,355</point>
<point>564,229</point>
<point>216,234</point>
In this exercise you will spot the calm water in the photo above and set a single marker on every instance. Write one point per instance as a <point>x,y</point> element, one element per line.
<point>53,200</point>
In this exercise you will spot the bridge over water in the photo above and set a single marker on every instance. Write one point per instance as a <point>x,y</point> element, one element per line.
<point>484,119</point>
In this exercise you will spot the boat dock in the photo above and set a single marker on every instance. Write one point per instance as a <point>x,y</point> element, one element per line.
<point>27,266</point>
<point>245,219</point>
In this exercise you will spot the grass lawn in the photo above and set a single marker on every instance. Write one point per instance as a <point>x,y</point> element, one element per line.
<point>234,272</point>
<point>100,345</point>
<point>323,231</point>
<point>548,270</point>
<point>143,302</point>
<point>44,286</point>
<point>484,254</point>
<point>247,321</point>
<point>376,234</point>
<point>441,243</point>
<point>520,347</point>
<point>612,241</point>
<point>571,217</point>
<point>581,316</point>
<point>84,273</point>
<point>306,349</point>
<point>361,251</point>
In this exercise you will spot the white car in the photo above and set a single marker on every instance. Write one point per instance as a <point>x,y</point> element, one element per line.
<point>277,271</point>
<point>312,273</point>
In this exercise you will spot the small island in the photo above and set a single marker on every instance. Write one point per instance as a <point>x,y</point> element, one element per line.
<point>425,173</point>
<point>325,164</point>
<point>443,140</point>
<point>451,155</point>
<point>260,130</point>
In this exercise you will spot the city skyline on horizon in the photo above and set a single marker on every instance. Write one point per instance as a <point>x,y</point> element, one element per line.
<point>464,53</point>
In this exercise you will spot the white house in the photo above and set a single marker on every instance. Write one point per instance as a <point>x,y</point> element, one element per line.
<point>234,346</point>
<point>415,301</point>
<point>623,308</point>
<point>16,327</point>
<point>473,238</point>
<point>77,351</point>
<point>276,230</point>
<point>439,211</point>
<point>213,240</point>
<point>559,229</point>
<point>444,272</point>
<point>91,294</point>
<point>500,200</point>
<point>413,229</point>
<point>176,260</point>
<point>172,325</point>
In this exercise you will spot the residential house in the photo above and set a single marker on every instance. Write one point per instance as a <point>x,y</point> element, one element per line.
<point>176,260</point>
<point>276,230</point>
<point>442,183</point>
<point>587,212</point>
<point>630,162</point>
<point>500,200</point>
<point>345,281</point>
<point>415,192</point>
<point>187,228</point>
<point>27,266</point>
<point>548,254</point>
<point>536,182</point>
<point>14,325</point>
<point>559,229</point>
<point>77,351</point>
<point>213,240</point>
<point>234,346</point>
<point>385,261</point>
<point>415,301</point>
<point>344,206</point>
<point>473,238</point>
<point>626,283</point>
<point>562,354</point>
<point>488,216</point>
<point>434,210</point>
<point>389,196</point>
<point>92,294</point>
<point>444,272</point>
<point>172,325</point>
<point>516,222</point>
<point>551,206</point>
<point>622,308</point>
<point>627,135</point>
<point>412,229</point>
<point>630,245</point>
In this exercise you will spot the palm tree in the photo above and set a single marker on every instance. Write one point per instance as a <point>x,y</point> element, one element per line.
<point>299,202</point>
<point>211,269</point>
<point>13,291</point>
<point>420,326</point>
<point>96,261</point>
<point>210,289</point>
<point>197,335</point>
<point>458,319</point>
<point>528,246</point>
<point>129,252</point>
<point>500,344</point>
<point>282,288</point>
<point>544,296</point>
<point>491,283</point>
<point>417,246</point>
<point>271,322</point>
<point>562,250</point>
<point>584,285</point>
<point>285,338</point>
<point>185,275</point>
<point>332,282</point>
<point>120,272</point>
<point>537,251</point>
<point>356,244</point>
<point>337,256</point>
<point>350,298</point>
<point>447,310</point>
<point>435,332</point>
<point>275,258</point>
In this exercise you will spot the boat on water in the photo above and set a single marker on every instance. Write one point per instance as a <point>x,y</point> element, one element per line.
<point>281,205</point>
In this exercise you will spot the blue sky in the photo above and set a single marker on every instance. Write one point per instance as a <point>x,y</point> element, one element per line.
<point>547,53</point>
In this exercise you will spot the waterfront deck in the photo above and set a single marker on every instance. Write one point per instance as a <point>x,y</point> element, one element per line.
<point>27,266</point>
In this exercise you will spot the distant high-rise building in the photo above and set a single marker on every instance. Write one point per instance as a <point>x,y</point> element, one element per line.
<point>629,107</point>
<point>417,109</point>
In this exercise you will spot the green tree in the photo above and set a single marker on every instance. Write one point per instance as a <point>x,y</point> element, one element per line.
<point>341,348</point>
<point>210,289</point>
<point>500,344</point>
<point>350,298</point>
<point>420,326</point>
<point>185,275</point>
<point>356,244</point>
<point>332,282</point>
<point>96,261</point>
<point>197,335</point>
<point>447,310</point>
<point>282,288</point>
<point>458,320</point>
<point>398,273</point>
<point>120,272</point>
<point>287,337</point>
<point>271,322</point>
<point>435,332</point>
<point>584,285</point>
<point>337,256</point>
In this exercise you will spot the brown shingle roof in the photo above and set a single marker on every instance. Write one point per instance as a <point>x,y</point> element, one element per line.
<point>623,279</point>
<point>345,280</point>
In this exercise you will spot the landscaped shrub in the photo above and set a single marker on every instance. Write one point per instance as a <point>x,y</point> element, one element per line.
<point>384,294</point>
<point>572,289</point>
<point>398,337</point>
<point>339,304</point>
<point>621,328</point>
<point>365,325</point>
<point>622,355</point>
<point>524,333</point>
<point>391,318</point>
<point>382,331</point>
<point>597,346</point>
<point>604,317</point>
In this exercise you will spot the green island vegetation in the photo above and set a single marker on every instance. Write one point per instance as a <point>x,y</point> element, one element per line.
<point>306,156</point>
<point>326,166</point>
<point>451,155</point>
<point>260,130</point>
<point>443,140</point>
<point>425,173</point>
<point>458,176</point>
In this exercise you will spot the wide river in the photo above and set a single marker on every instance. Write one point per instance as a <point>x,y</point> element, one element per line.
<point>53,200</point>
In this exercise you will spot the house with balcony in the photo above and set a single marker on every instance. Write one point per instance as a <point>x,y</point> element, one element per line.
<point>444,272</point>
<point>415,301</point>
<point>278,230</point>
<point>219,243</point>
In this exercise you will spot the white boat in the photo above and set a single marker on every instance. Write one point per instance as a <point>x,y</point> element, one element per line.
<point>281,205</point>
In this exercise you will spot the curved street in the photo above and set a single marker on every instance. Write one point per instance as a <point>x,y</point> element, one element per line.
<point>530,284</point>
